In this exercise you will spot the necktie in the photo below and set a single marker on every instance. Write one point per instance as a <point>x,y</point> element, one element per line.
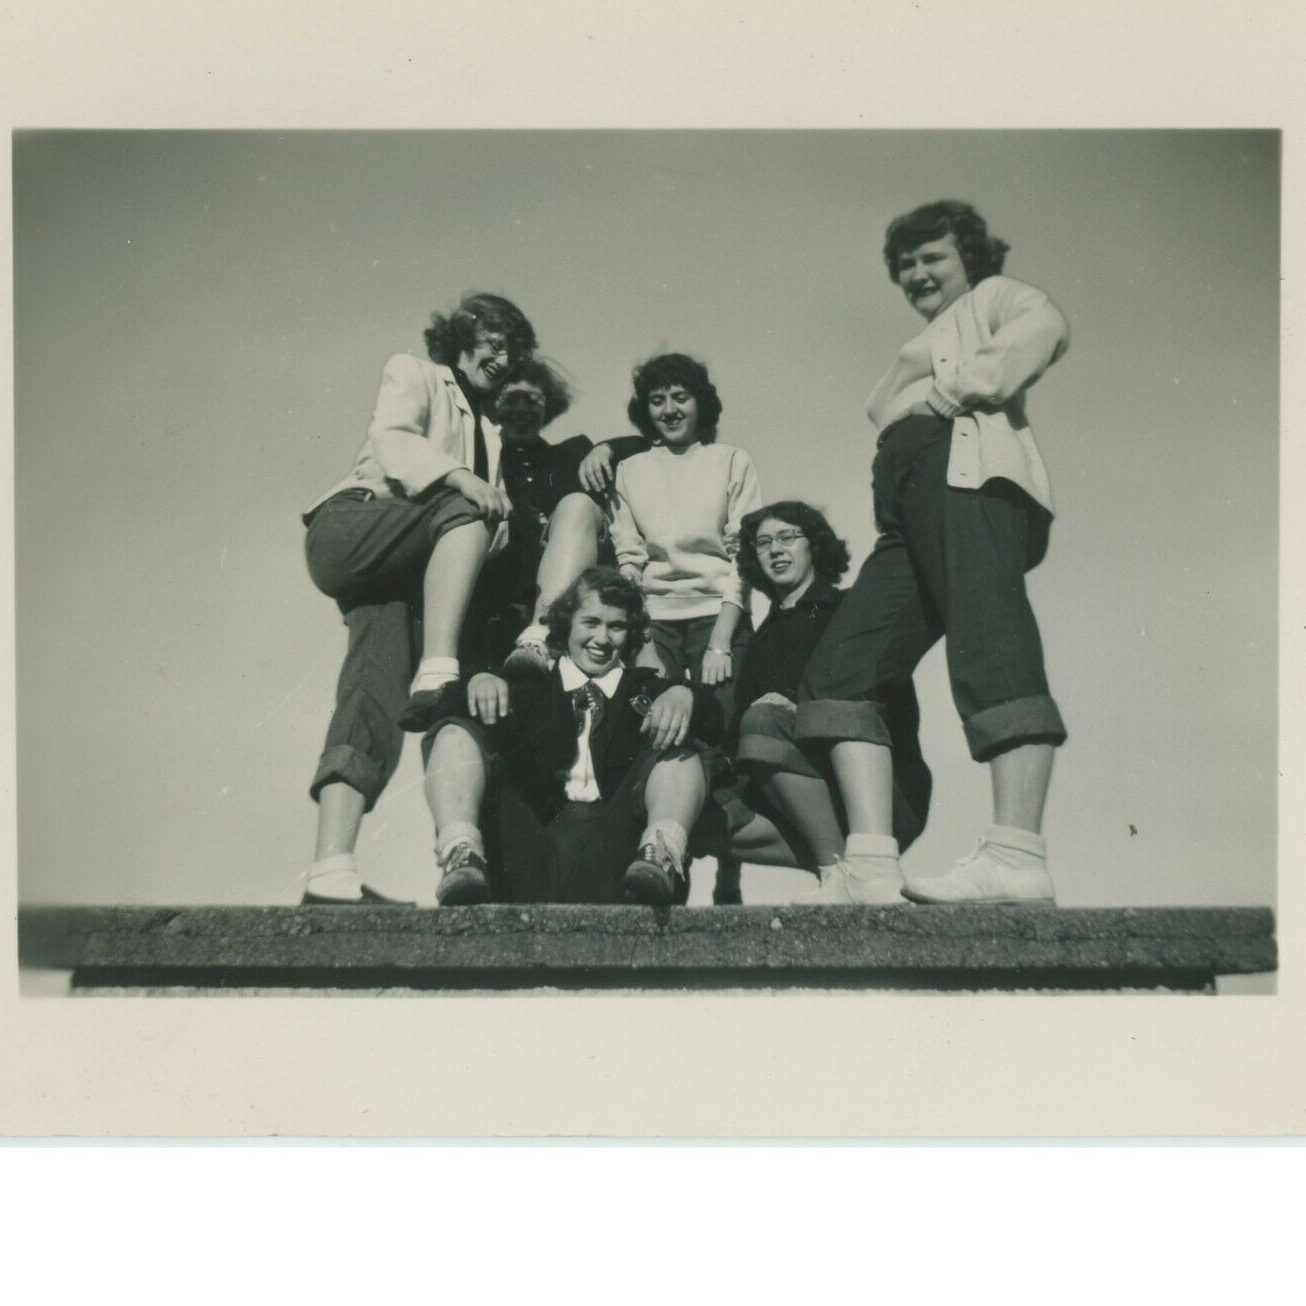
<point>588,696</point>
<point>480,456</point>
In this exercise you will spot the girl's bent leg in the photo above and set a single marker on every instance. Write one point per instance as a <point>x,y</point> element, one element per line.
<point>572,546</point>
<point>455,791</point>
<point>674,795</point>
<point>447,586</point>
<point>805,800</point>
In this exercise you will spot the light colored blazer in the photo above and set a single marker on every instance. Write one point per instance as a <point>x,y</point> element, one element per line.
<point>421,430</point>
<point>973,363</point>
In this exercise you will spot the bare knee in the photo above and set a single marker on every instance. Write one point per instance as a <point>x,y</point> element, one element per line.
<point>576,512</point>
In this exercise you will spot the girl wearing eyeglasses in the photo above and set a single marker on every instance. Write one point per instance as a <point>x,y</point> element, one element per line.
<point>789,813</point>
<point>398,544</point>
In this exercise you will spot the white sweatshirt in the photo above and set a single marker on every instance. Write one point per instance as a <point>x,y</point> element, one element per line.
<point>677,521</point>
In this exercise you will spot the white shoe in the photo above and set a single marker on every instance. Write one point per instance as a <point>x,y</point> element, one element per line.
<point>858,881</point>
<point>1006,868</point>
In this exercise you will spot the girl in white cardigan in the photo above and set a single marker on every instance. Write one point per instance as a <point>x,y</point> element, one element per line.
<point>676,520</point>
<point>963,508</point>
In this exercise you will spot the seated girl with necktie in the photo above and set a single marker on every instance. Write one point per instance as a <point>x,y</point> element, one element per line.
<point>579,786</point>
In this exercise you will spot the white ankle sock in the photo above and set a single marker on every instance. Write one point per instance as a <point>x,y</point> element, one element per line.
<point>335,877</point>
<point>533,634</point>
<point>871,845</point>
<point>434,672</point>
<point>457,832</point>
<point>675,838</point>
<point>1010,837</point>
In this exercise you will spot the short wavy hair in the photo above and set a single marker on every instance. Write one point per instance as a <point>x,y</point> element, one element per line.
<point>830,555</point>
<point>448,337</point>
<point>612,588</point>
<point>665,370</point>
<point>982,255</point>
<point>535,371</point>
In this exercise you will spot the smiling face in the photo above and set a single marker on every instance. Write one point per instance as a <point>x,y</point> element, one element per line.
<point>597,635</point>
<point>932,275</point>
<point>785,555</point>
<point>486,363</point>
<point>674,414</point>
<point>519,408</point>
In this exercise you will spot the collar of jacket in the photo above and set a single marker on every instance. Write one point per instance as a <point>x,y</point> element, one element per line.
<point>819,594</point>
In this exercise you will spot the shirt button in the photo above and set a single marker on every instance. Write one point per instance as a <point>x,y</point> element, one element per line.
<point>358,474</point>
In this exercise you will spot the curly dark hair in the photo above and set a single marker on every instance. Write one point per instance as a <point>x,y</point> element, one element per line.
<point>557,393</point>
<point>830,556</point>
<point>448,337</point>
<point>665,370</point>
<point>612,588</point>
<point>982,255</point>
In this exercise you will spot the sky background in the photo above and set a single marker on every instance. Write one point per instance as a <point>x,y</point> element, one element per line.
<point>200,324</point>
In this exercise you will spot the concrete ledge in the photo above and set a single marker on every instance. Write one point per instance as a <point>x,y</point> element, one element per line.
<point>633,947</point>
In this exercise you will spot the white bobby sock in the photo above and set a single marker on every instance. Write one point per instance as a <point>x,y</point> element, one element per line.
<point>457,832</point>
<point>434,672</point>
<point>1012,839</point>
<point>675,838</point>
<point>533,634</point>
<point>874,849</point>
<point>335,877</point>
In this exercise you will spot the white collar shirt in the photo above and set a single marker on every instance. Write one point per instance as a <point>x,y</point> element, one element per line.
<point>582,783</point>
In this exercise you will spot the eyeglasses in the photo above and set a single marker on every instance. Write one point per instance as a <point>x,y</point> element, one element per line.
<point>497,345</point>
<point>764,542</point>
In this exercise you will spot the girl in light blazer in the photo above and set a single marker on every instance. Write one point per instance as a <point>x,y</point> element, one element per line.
<point>406,532</point>
<point>963,508</point>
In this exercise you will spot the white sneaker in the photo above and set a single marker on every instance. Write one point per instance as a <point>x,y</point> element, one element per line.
<point>858,881</point>
<point>1006,867</point>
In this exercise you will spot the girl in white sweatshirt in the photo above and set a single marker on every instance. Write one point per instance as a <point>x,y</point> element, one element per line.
<point>676,523</point>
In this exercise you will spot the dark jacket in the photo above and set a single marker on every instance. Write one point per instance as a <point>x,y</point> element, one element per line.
<point>536,743</point>
<point>778,651</point>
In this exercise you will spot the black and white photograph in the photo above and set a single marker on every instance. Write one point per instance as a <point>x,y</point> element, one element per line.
<point>588,594</point>
<point>653,650</point>
<point>826,558</point>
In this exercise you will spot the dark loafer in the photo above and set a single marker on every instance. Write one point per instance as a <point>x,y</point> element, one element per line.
<point>370,898</point>
<point>422,708</point>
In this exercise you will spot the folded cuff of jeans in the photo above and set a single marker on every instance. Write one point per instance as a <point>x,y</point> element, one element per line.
<point>345,764</point>
<point>832,718</point>
<point>765,750</point>
<point>1021,721</point>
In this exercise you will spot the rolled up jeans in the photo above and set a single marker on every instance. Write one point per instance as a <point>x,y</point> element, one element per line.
<point>370,555</point>
<point>948,562</point>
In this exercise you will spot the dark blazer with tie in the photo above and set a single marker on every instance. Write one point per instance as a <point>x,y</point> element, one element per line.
<point>536,743</point>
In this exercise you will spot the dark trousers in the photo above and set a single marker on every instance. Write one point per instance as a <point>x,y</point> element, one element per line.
<point>681,645</point>
<point>580,855</point>
<point>370,556</point>
<point>948,562</point>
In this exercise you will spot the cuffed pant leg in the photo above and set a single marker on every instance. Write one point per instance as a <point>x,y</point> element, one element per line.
<point>363,743</point>
<point>766,738</point>
<point>995,654</point>
<point>872,645</point>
